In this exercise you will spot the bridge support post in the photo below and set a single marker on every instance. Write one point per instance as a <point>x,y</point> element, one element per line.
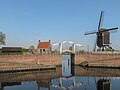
<point>72,59</point>
<point>72,64</point>
<point>60,48</point>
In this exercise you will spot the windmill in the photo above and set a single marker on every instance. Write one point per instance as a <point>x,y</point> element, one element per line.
<point>103,36</point>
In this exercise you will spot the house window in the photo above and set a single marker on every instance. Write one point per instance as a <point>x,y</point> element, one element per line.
<point>43,50</point>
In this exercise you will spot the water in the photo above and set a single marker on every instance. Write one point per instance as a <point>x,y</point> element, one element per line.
<point>66,77</point>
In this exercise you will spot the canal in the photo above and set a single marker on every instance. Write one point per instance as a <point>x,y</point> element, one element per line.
<point>67,77</point>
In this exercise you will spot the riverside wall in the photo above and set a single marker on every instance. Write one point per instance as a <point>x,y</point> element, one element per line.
<point>99,59</point>
<point>42,59</point>
<point>56,59</point>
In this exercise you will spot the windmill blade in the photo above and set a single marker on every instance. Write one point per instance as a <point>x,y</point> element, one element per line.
<point>99,25</point>
<point>87,33</point>
<point>111,29</point>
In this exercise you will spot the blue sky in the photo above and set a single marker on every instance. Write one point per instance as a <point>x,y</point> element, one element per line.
<point>26,21</point>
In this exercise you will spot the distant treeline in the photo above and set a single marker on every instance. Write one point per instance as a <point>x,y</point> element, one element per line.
<point>13,50</point>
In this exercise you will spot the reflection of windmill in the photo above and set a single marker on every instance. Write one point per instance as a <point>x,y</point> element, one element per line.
<point>103,36</point>
<point>104,84</point>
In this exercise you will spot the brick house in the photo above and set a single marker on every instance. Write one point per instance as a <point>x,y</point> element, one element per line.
<point>44,47</point>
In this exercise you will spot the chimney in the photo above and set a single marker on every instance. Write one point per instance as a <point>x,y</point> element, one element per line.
<point>50,45</point>
<point>50,41</point>
<point>39,41</point>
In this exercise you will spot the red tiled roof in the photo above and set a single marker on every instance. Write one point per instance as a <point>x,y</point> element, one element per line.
<point>43,45</point>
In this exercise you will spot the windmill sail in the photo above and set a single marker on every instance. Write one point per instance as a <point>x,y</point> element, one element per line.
<point>110,29</point>
<point>99,25</point>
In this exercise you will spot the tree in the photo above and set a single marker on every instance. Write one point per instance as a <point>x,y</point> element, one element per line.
<point>2,38</point>
<point>32,49</point>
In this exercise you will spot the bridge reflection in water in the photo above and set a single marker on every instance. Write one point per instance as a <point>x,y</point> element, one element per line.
<point>67,77</point>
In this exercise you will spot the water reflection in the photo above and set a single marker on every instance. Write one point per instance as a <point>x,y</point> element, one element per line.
<point>43,84</point>
<point>67,77</point>
<point>104,84</point>
<point>8,84</point>
<point>66,66</point>
<point>67,83</point>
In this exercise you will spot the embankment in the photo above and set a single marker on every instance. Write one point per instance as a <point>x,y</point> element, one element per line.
<point>98,59</point>
<point>9,62</point>
<point>29,62</point>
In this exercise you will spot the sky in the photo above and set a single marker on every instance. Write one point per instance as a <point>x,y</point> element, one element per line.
<point>24,22</point>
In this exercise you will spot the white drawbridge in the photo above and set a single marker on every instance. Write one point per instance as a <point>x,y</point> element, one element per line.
<point>60,45</point>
